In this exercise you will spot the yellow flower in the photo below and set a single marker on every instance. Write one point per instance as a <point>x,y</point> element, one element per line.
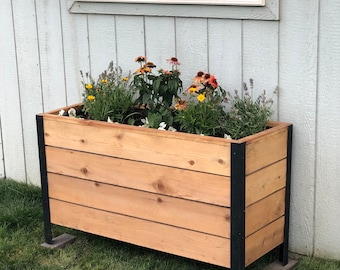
<point>125,79</point>
<point>90,97</point>
<point>88,86</point>
<point>201,97</point>
<point>104,81</point>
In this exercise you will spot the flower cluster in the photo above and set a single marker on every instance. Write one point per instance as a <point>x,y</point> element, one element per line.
<point>157,92</point>
<point>203,111</point>
<point>157,100</point>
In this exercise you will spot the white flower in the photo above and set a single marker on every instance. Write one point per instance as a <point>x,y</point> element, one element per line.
<point>61,112</point>
<point>162,126</point>
<point>226,136</point>
<point>172,129</point>
<point>72,112</point>
<point>145,122</point>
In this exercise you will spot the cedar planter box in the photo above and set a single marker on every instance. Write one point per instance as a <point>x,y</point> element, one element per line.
<point>224,202</point>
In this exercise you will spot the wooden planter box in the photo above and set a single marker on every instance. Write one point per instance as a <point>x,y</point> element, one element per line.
<point>224,202</point>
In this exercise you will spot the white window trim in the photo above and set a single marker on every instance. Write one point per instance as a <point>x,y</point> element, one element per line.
<point>227,9</point>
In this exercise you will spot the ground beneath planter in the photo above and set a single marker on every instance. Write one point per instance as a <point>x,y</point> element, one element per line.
<point>292,262</point>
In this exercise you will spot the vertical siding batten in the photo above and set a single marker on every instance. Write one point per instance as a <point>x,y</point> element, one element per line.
<point>298,55</point>
<point>160,40</point>
<point>225,60</point>
<point>192,47</point>
<point>327,210</point>
<point>10,110</point>
<point>102,40</point>
<point>260,54</point>
<point>51,60</point>
<point>130,40</point>
<point>75,51</point>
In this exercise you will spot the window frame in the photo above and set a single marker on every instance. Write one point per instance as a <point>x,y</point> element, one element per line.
<point>230,9</point>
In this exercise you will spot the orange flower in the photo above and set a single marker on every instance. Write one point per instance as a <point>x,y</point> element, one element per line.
<point>193,88</point>
<point>143,70</point>
<point>150,65</point>
<point>199,77</point>
<point>181,104</point>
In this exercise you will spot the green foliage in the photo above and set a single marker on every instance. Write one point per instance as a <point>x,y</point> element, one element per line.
<point>203,113</point>
<point>204,118</point>
<point>108,97</point>
<point>156,101</point>
<point>156,93</point>
<point>248,116</point>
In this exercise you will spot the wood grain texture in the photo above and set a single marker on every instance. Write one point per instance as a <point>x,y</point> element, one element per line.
<point>265,181</point>
<point>133,142</point>
<point>10,111</point>
<point>187,214</point>
<point>327,204</point>
<point>209,188</point>
<point>263,151</point>
<point>208,248</point>
<point>264,240</point>
<point>298,87</point>
<point>265,211</point>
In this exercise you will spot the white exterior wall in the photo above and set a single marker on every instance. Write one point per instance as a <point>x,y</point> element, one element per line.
<point>43,46</point>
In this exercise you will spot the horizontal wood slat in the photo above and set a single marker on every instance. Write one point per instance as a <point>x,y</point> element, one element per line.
<point>264,240</point>
<point>265,181</point>
<point>187,214</point>
<point>203,247</point>
<point>265,211</point>
<point>198,186</point>
<point>264,150</point>
<point>149,145</point>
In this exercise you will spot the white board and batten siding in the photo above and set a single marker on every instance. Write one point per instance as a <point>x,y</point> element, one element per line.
<point>44,45</point>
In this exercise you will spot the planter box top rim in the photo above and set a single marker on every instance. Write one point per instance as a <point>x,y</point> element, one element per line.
<point>53,114</point>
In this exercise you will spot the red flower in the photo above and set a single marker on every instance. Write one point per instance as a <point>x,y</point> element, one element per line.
<point>211,81</point>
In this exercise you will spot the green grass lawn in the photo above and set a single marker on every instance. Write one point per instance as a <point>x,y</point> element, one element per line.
<point>21,234</point>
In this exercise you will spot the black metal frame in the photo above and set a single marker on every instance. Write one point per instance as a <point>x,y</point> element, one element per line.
<point>44,182</point>
<point>283,249</point>
<point>237,220</point>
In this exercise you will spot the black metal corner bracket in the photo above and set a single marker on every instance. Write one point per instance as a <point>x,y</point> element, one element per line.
<point>283,249</point>
<point>238,176</point>
<point>44,182</point>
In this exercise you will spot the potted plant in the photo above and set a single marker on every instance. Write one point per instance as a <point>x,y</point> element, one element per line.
<point>146,175</point>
